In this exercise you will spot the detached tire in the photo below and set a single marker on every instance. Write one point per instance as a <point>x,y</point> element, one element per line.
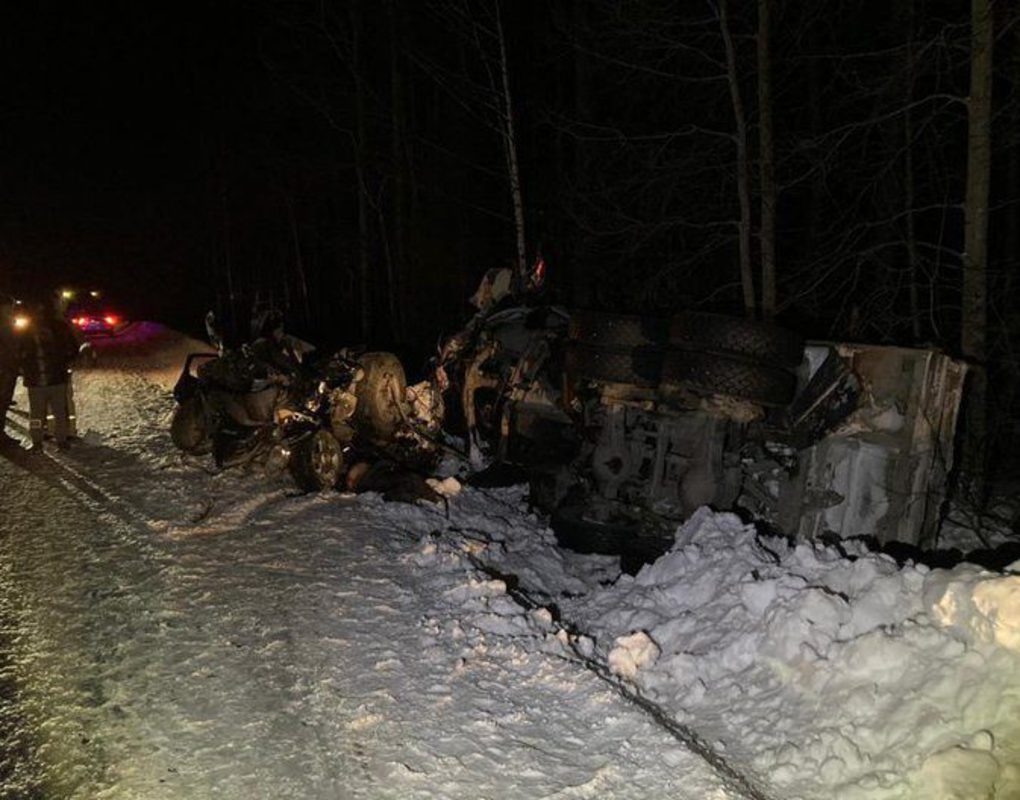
<point>759,341</point>
<point>640,366</point>
<point>747,380</point>
<point>189,428</point>
<point>596,329</point>
<point>317,462</point>
<point>380,394</point>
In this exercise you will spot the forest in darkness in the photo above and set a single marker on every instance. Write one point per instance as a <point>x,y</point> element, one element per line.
<point>848,168</point>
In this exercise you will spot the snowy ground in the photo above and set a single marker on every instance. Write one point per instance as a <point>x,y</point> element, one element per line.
<point>170,633</point>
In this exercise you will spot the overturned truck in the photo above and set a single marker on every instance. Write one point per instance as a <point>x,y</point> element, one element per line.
<point>626,424</point>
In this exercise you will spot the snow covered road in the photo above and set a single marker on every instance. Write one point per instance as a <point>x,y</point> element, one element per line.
<point>166,632</point>
<point>171,635</point>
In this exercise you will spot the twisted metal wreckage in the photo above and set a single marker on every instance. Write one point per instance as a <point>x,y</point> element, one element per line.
<point>622,425</point>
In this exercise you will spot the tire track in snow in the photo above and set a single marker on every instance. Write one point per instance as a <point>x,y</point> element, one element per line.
<point>219,514</point>
<point>32,774</point>
<point>686,735</point>
<point>92,494</point>
<point>77,486</point>
<point>19,768</point>
<point>475,540</point>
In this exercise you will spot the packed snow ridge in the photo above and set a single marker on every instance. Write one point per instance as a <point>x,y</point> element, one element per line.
<point>829,673</point>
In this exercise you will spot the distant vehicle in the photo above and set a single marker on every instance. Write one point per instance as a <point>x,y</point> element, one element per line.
<point>92,313</point>
<point>14,313</point>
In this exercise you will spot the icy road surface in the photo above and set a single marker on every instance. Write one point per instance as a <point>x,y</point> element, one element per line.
<point>165,633</point>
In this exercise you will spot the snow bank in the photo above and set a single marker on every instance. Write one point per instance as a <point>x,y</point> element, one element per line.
<point>975,606</point>
<point>829,673</point>
<point>822,673</point>
<point>171,633</point>
<point>819,673</point>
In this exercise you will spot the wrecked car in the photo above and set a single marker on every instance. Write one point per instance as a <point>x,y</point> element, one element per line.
<point>626,424</point>
<point>314,424</point>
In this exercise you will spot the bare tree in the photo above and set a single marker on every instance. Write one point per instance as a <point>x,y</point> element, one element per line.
<point>767,234</point>
<point>743,175</point>
<point>974,324</point>
<point>510,147</point>
<point>909,199</point>
<point>479,26</point>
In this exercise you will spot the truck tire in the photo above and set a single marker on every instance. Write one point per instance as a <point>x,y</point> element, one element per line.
<point>380,394</point>
<point>597,329</point>
<point>189,428</point>
<point>317,462</point>
<point>640,366</point>
<point>729,375</point>
<point>760,341</point>
<point>635,545</point>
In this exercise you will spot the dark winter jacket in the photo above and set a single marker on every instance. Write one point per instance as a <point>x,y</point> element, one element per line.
<point>45,352</point>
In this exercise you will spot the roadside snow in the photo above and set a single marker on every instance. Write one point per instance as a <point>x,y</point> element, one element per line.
<point>834,674</point>
<point>177,634</point>
<point>816,672</point>
<point>167,633</point>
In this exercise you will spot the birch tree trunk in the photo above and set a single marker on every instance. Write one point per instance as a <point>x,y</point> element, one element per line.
<point>974,328</point>
<point>913,260</point>
<point>510,143</point>
<point>768,170</point>
<point>743,169</point>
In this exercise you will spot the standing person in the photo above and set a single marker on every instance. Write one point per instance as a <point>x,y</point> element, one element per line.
<point>46,350</point>
<point>8,367</point>
<point>61,302</point>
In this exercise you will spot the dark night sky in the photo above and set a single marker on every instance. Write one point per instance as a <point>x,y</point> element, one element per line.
<point>122,124</point>
<point>151,148</point>
<point>108,109</point>
<point>185,156</point>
